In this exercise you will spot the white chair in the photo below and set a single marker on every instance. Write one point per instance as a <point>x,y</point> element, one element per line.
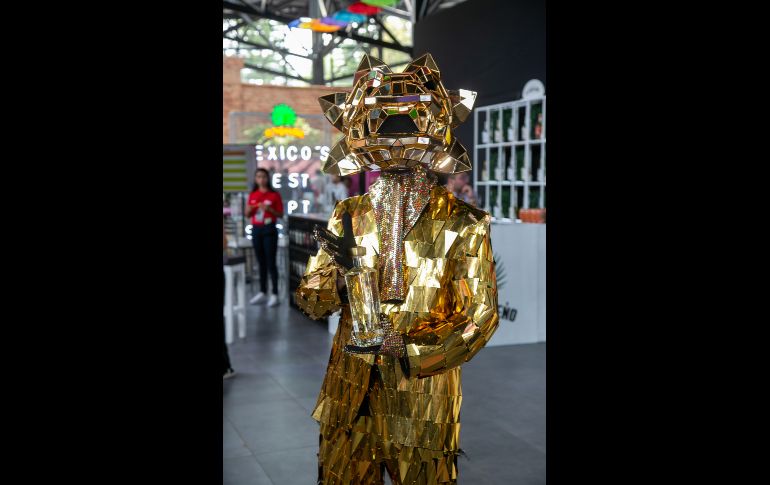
<point>235,289</point>
<point>334,321</point>
<point>282,262</point>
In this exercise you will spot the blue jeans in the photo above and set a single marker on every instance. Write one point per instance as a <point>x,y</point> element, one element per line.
<point>265,241</point>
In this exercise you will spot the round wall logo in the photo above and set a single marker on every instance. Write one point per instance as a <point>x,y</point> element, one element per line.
<point>533,89</point>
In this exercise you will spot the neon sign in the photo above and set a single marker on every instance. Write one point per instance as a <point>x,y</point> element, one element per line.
<point>284,120</point>
<point>294,181</point>
<point>291,152</point>
<point>284,131</point>
<point>284,117</point>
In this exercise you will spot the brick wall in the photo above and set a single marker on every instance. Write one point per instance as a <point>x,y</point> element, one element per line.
<point>237,96</point>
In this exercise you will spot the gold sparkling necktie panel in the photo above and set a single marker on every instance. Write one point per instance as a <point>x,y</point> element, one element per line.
<point>398,200</point>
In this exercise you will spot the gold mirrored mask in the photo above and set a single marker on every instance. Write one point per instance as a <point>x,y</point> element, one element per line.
<point>397,120</point>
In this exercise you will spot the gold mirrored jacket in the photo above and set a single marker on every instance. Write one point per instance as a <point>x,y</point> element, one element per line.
<point>449,313</point>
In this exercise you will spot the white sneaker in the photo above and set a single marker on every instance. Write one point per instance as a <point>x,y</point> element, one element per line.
<point>273,301</point>
<point>258,298</point>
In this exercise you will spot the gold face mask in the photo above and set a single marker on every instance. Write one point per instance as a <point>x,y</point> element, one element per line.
<point>397,120</point>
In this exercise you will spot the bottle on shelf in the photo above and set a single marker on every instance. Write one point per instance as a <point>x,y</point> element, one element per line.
<point>506,201</point>
<point>364,296</point>
<point>485,132</point>
<point>539,126</point>
<point>499,129</point>
<point>493,165</point>
<point>508,124</point>
<point>493,130</point>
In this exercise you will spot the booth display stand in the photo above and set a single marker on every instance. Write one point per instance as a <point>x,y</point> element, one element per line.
<point>301,247</point>
<point>509,163</point>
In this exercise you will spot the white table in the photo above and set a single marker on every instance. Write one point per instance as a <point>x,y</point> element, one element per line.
<point>520,254</point>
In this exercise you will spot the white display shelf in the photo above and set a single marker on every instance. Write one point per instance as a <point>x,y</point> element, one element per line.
<point>517,183</point>
<point>536,141</point>
<point>504,146</point>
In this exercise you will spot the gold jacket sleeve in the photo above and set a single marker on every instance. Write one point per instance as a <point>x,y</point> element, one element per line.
<point>317,294</point>
<point>436,344</point>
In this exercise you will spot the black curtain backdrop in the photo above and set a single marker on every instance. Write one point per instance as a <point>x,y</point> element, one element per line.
<point>489,46</point>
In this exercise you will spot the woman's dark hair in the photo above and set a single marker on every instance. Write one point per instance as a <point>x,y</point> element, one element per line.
<point>255,187</point>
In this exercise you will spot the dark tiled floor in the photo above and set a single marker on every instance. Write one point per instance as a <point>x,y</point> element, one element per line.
<point>270,438</point>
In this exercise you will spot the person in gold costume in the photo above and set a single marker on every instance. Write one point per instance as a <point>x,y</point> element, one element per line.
<point>397,408</point>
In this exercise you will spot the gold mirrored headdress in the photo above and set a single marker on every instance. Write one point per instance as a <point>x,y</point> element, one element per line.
<point>392,120</point>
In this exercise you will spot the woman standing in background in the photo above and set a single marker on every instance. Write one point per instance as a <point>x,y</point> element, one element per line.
<point>265,208</point>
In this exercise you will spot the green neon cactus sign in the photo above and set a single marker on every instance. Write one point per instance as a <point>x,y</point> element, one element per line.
<point>283,115</point>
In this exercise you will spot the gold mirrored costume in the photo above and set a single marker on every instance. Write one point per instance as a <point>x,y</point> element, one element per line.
<point>375,411</point>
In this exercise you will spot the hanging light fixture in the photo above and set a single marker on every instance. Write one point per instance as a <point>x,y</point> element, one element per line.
<point>381,3</point>
<point>363,9</point>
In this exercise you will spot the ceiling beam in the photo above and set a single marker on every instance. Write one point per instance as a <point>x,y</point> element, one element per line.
<point>328,48</point>
<point>343,76</point>
<point>237,7</point>
<point>275,73</point>
<point>385,29</point>
<point>342,33</point>
<point>397,13</point>
<point>370,41</point>
<point>423,8</point>
<point>261,46</point>
<point>237,26</point>
<point>434,7</point>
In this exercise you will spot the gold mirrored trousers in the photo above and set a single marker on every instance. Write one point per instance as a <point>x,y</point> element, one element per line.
<point>376,413</point>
